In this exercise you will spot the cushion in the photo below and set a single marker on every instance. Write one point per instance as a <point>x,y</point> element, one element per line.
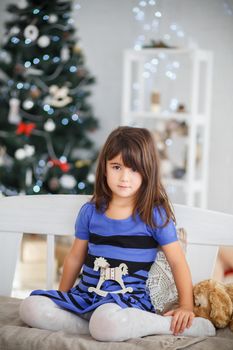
<point>160,283</point>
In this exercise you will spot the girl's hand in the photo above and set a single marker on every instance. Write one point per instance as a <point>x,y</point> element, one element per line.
<point>182,318</point>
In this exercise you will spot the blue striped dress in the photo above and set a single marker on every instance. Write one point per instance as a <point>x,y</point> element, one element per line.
<point>129,241</point>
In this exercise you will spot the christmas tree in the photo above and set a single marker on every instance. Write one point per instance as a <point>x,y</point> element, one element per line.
<point>45,115</point>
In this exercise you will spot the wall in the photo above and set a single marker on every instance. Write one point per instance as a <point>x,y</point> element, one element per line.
<point>107,27</point>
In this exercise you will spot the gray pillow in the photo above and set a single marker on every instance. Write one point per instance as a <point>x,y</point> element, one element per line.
<point>160,283</point>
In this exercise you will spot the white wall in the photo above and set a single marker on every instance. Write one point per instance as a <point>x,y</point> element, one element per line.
<point>107,27</point>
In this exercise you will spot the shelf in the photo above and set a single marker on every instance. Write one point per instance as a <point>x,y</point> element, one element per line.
<point>197,184</point>
<point>192,88</point>
<point>202,55</point>
<point>180,117</point>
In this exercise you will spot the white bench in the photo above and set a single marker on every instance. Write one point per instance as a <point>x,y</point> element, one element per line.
<point>55,215</point>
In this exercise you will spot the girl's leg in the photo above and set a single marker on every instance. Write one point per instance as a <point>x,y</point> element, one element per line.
<point>110,322</point>
<point>41,312</point>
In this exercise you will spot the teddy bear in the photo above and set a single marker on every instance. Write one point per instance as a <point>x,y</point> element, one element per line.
<point>214,300</point>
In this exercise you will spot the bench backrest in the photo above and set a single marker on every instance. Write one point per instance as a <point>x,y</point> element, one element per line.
<point>55,215</point>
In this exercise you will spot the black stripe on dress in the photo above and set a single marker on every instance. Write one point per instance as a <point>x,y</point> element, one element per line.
<point>83,291</point>
<point>61,295</point>
<point>124,301</point>
<point>51,297</point>
<point>84,273</point>
<point>133,266</point>
<point>138,242</point>
<point>140,300</point>
<point>73,301</point>
<point>136,275</point>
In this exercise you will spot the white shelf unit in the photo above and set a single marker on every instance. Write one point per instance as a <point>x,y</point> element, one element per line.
<point>183,76</point>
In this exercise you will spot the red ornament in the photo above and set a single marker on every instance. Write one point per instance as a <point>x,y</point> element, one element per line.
<point>25,128</point>
<point>64,166</point>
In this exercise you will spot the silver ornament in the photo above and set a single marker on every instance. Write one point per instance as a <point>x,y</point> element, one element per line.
<point>53,18</point>
<point>13,116</point>
<point>20,154</point>
<point>43,41</point>
<point>31,32</point>
<point>68,181</point>
<point>49,125</point>
<point>28,104</point>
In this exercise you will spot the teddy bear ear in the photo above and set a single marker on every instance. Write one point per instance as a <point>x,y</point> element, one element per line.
<point>221,307</point>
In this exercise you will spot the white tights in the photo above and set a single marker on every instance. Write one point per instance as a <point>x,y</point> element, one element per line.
<point>109,322</point>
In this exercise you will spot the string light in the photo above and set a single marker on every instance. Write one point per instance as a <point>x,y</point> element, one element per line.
<point>73,69</point>
<point>27,64</point>
<point>75,117</point>
<point>81,185</point>
<point>56,59</point>
<point>36,60</point>
<point>56,38</point>
<point>50,111</point>
<point>46,57</point>
<point>19,86</point>
<point>36,189</point>
<point>27,41</point>
<point>63,159</point>
<point>36,11</point>
<point>149,15</point>
<point>65,121</point>
<point>46,108</point>
<point>15,40</point>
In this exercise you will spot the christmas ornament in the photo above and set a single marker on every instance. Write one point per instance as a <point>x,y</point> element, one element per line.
<point>43,41</point>
<point>19,68</point>
<point>28,104</point>
<point>31,32</point>
<point>77,49</point>
<point>53,18</point>
<point>65,53</point>
<point>54,184</point>
<point>82,162</point>
<point>35,92</point>
<point>25,128</point>
<point>68,181</point>
<point>20,154</point>
<point>58,96</point>
<point>64,166</point>
<point>13,116</point>
<point>14,30</point>
<point>26,151</point>
<point>29,150</point>
<point>91,178</point>
<point>49,125</point>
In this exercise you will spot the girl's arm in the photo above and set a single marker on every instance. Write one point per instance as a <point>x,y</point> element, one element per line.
<point>73,264</point>
<point>182,316</point>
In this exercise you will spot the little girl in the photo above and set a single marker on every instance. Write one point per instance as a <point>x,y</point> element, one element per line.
<point>117,235</point>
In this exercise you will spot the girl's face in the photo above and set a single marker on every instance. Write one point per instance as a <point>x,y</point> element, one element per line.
<point>123,182</point>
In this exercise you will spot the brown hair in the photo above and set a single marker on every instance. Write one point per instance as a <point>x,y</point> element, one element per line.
<point>138,151</point>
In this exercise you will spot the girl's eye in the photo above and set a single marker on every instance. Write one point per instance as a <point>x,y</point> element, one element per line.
<point>116,167</point>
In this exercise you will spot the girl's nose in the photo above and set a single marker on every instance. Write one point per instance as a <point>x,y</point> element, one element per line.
<point>125,175</point>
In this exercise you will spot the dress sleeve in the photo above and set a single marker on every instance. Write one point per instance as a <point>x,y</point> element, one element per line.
<point>82,222</point>
<point>167,234</point>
